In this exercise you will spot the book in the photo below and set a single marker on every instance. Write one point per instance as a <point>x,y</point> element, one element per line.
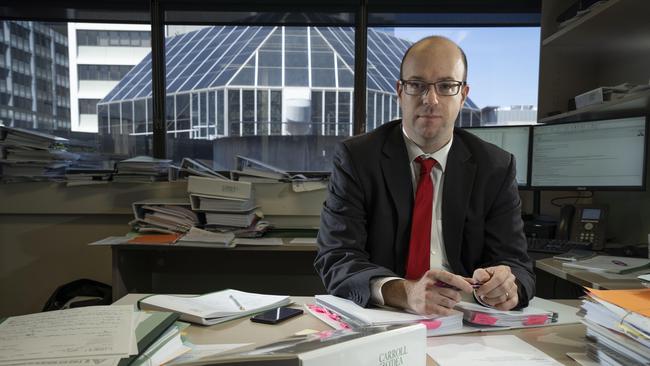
<point>370,346</point>
<point>245,219</point>
<point>218,187</point>
<point>215,307</point>
<point>358,316</point>
<point>202,238</point>
<point>148,330</point>
<point>610,264</point>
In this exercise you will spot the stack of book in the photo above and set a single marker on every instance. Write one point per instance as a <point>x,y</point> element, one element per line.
<point>142,169</point>
<point>226,203</point>
<point>27,155</point>
<point>618,327</point>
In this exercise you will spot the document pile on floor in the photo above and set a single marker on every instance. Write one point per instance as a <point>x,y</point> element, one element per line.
<point>618,327</point>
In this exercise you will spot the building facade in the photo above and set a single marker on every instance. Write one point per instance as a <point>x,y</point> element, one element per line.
<point>34,76</point>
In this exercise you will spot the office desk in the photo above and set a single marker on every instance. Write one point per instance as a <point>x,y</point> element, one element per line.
<point>555,341</point>
<point>586,278</point>
<point>286,269</point>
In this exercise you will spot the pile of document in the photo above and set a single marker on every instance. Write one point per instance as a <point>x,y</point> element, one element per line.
<point>165,216</point>
<point>226,203</point>
<point>481,315</point>
<point>142,169</point>
<point>27,155</point>
<point>251,170</point>
<point>358,316</point>
<point>609,264</point>
<point>618,327</point>
<point>97,335</point>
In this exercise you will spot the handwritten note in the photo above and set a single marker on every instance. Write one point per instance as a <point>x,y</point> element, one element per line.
<point>89,332</point>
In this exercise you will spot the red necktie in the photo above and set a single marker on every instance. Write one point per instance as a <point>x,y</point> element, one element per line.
<point>420,245</point>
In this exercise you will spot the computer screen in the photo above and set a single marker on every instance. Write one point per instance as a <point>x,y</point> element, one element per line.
<point>600,154</point>
<point>513,139</point>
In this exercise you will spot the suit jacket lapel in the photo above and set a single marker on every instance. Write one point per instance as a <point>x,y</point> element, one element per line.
<point>397,175</point>
<point>459,180</point>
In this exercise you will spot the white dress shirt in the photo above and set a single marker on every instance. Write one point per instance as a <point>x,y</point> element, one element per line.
<point>438,257</point>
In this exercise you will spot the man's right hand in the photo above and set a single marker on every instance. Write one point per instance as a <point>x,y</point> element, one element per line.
<point>424,296</point>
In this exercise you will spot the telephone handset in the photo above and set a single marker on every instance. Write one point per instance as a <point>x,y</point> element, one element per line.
<point>585,223</point>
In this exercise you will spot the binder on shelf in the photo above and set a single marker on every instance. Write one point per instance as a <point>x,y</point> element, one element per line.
<point>218,187</point>
<point>202,202</point>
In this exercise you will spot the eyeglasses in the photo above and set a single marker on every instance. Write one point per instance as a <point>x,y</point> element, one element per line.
<point>443,87</point>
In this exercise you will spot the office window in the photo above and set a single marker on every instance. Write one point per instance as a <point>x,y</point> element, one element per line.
<point>88,106</point>
<point>503,72</point>
<point>255,83</point>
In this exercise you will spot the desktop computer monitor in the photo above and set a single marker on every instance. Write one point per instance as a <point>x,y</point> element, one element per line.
<point>606,154</point>
<point>513,139</point>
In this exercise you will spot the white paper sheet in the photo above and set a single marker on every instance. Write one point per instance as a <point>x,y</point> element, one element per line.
<point>501,350</point>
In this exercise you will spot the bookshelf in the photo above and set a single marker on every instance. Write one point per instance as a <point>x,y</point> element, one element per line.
<point>608,46</point>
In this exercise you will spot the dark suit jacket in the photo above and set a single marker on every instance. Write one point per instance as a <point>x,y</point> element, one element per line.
<point>366,219</point>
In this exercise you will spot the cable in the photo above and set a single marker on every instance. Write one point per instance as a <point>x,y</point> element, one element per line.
<point>577,198</point>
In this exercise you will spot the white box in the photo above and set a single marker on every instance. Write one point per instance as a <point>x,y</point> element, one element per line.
<point>372,346</point>
<point>597,96</point>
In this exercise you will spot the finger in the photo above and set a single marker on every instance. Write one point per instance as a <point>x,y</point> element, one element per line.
<point>481,275</point>
<point>437,309</point>
<point>455,280</point>
<point>499,275</point>
<point>503,288</point>
<point>450,294</point>
<point>508,304</point>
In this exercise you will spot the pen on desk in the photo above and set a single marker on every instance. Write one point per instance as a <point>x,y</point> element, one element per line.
<point>236,302</point>
<point>619,263</point>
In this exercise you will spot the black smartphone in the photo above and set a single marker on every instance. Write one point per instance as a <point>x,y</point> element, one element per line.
<point>275,316</point>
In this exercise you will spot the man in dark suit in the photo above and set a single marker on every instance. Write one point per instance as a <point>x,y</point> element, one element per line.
<point>419,211</point>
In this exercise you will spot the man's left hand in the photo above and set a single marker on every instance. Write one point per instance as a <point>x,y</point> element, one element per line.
<point>499,288</point>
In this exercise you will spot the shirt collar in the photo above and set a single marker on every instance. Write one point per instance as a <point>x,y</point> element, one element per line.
<point>414,151</point>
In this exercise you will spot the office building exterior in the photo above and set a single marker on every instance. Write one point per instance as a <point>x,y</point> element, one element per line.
<point>34,83</point>
<point>101,54</point>
<point>258,81</point>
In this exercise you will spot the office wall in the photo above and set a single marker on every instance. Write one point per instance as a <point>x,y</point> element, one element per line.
<point>45,229</point>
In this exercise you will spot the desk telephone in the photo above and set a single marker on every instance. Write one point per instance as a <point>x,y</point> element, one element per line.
<point>583,223</point>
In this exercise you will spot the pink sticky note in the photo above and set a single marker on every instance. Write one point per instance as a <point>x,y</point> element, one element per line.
<point>536,320</point>
<point>431,324</point>
<point>483,319</point>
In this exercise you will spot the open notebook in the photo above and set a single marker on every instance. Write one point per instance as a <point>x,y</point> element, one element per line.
<point>383,316</point>
<point>215,307</point>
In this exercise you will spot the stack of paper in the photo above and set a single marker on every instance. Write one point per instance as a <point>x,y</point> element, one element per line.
<point>164,216</point>
<point>606,263</point>
<point>101,335</point>
<point>481,315</point>
<point>359,316</point>
<point>216,307</point>
<point>30,155</point>
<point>618,326</point>
<point>142,169</point>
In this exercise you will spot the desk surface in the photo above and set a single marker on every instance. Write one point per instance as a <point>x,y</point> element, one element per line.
<point>589,279</point>
<point>555,341</point>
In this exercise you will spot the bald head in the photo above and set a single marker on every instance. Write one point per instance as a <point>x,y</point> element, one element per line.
<point>435,41</point>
